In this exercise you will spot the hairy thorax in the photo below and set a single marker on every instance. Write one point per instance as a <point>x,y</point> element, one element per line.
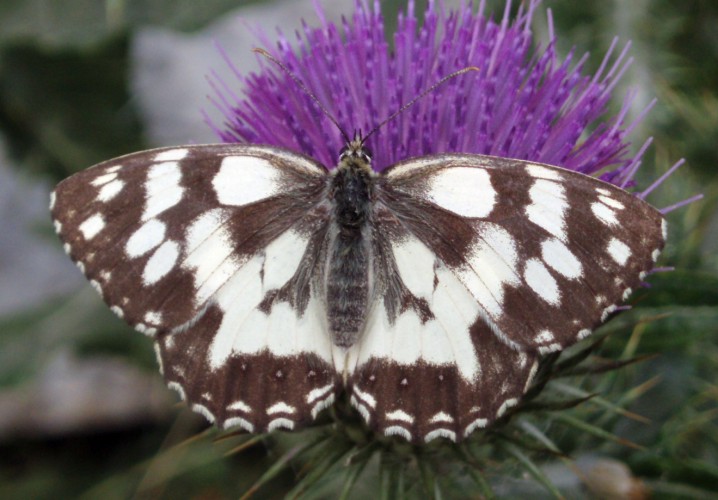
<point>347,284</point>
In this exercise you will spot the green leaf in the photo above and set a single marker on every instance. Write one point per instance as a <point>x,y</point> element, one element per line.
<point>678,491</point>
<point>83,22</point>
<point>682,287</point>
<point>64,110</point>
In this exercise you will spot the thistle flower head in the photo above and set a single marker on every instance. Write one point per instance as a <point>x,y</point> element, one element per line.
<point>523,103</point>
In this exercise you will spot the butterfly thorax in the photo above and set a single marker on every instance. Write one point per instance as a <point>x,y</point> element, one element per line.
<point>347,284</point>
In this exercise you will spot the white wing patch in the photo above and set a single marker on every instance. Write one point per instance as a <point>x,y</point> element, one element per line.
<point>492,265</point>
<point>441,417</point>
<point>281,407</point>
<point>548,207</point>
<point>92,226</point>
<point>110,190</point>
<point>209,253</point>
<point>161,263</point>
<point>611,202</point>
<point>465,191</point>
<point>245,329</point>
<point>441,341</point>
<point>541,282</point>
<point>101,180</point>
<point>557,255</point>
<point>604,213</point>
<point>416,266</point>
<point>242,180</point>
<point>282,258</point>
<point>619,251</point>
<point>172,155</point>
<point>541,172</point>
<point>163,188</point>
<point>400,415</point>
<point>148,236</point>
<point>238,298</point>
<point>289,335</point>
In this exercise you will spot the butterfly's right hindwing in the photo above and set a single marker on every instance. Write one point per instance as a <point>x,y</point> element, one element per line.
<point>199,246</point>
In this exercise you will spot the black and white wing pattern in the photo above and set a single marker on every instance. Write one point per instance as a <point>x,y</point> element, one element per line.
<point>196,246</point>
<point>487,264</point>
<point>234,257</point>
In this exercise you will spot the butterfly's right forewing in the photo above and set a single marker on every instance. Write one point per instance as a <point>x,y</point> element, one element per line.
<point>547,253</point>
<point>206,249</point>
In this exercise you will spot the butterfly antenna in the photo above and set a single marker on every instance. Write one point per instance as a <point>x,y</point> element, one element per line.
<point>413,101</point>
<point>304,88</point>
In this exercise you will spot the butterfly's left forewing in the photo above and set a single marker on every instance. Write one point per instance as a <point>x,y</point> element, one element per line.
<point>205,248</point>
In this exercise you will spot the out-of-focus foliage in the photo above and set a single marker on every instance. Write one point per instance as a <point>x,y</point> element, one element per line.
<point>81,22</point>
<point>66,103</point>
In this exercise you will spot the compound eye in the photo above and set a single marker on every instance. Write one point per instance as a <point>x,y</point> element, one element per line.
<point>367,152</point>
<point>344,152</point>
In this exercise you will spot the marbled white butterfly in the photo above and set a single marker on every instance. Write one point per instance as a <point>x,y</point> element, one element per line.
<point>427,292</point>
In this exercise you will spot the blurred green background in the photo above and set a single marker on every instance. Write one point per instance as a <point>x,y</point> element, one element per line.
<point>83,412</point>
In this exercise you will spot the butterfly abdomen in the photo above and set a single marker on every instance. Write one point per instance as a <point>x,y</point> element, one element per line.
<point>348,272</point>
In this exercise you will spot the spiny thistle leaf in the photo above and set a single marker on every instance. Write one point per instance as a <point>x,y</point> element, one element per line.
<point>596,399</point>
<point>591,429</point>
<point>428,479</point>
<point>247,443</point>
<point>533,469</point>
<point>602,366</point>
<point>327,457</point>
<point>536,433</point>
<point>352,475</point>
<point>391,477</point>
<point>549,405</point>
<point>278,466</point>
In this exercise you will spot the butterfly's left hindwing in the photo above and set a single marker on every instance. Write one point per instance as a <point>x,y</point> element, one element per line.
<point>200,247</point>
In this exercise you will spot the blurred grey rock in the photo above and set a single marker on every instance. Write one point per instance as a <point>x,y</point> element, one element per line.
<point>33,266</point>
<point>81,395</point>
<point>589,476</point>
<point>169,68</point>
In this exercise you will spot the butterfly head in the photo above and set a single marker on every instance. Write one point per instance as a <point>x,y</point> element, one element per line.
<point>356,150</point>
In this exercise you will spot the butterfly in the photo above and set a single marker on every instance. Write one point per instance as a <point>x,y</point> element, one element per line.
<point>270,284</point>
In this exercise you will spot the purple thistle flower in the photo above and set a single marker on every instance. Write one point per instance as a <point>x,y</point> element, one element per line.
<point>523,103</point>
